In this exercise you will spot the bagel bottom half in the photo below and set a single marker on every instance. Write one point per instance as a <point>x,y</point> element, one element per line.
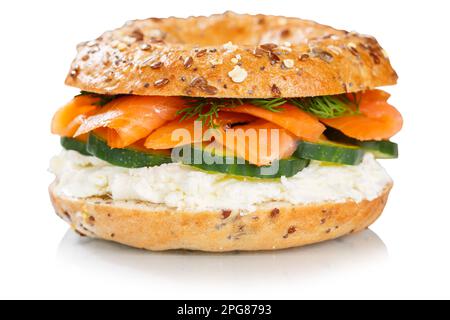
<point>275,225</point>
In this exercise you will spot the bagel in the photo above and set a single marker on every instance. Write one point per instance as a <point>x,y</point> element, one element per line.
<point>232,56</point>
<point>272,226</point>
<point>265,72</point>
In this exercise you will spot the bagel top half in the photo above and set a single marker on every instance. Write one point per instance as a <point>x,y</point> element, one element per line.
<point>231,56</point>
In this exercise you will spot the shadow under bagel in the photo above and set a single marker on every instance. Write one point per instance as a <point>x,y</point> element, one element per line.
<point>346,253</point>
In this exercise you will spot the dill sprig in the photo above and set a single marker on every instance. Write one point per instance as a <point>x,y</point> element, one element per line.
<point>104,99</point>
<point>207,110</point>
<point>269,104</point>
<point>327,107</point>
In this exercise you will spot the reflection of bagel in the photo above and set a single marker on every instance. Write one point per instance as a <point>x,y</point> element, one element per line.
<point>230,55</point>
<point>272,226</point>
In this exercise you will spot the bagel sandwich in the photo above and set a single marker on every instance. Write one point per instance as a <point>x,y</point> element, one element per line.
<point>225,133</point>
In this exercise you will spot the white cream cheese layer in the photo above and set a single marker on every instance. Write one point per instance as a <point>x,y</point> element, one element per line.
<point>182,187</point>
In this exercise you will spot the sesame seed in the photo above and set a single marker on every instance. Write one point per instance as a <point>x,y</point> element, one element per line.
<point>75,71</point>
<point>287,49</point>
<point>201,53</point>
<point>226,214</point>
<point>334,49</point>
<point>304,57</point>
<point>161,82</point>
<point>91,43</point>
<point>285,33</point>
<point>199,82</point>
<point>145,47</point>
<point>275,90</point>
<point>375,58</point>
<point>258,52</point>
<point>353,51</point>
<point>156,65</point>
<point>273,58</point>
<point>275,212</point>
<point>292,230</point>
<point>334,37</point>
<point>288,63</point>
<point>268,46</point>
<point>156,40</point>
<point>351,45</point>
<point>188,62</point>
<point>322,54</point>
<point>137,34</point>
<point>210,90</point>
<point>238,74</point>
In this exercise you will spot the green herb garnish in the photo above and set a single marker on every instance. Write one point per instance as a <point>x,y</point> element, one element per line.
<point>104,99</point>
<point>207,110</point>
<point>269,104</point>
<point>327,107</point>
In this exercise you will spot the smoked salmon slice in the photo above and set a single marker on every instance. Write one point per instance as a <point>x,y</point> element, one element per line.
<point>260,142</point>
<point>132,118</point>
<point>378,119</point>
<point>291,118</point>
<point>68,119</point>
<point>167,136</point>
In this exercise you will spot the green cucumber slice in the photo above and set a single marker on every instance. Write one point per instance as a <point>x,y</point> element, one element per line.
<point>330,152</point>
<point>137,158</point>
<point>128,157</point>
<point>383,149</point>
<point>239,167</point>
<point>75,145</point>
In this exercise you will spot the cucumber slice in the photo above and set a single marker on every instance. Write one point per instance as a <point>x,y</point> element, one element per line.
<point>239,167</point>
<point>139,158</point>
<point>128,157</point>
<point>330,152</point>
<point>74,144</point>
<point>383,149</point>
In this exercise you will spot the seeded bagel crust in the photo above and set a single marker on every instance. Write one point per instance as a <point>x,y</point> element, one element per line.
<point>273,226</point>
<point>230,55</point>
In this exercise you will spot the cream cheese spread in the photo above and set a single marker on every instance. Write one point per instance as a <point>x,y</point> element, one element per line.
<point>185,188</point>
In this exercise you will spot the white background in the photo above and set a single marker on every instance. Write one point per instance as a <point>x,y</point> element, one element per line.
<point>406,255</point>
